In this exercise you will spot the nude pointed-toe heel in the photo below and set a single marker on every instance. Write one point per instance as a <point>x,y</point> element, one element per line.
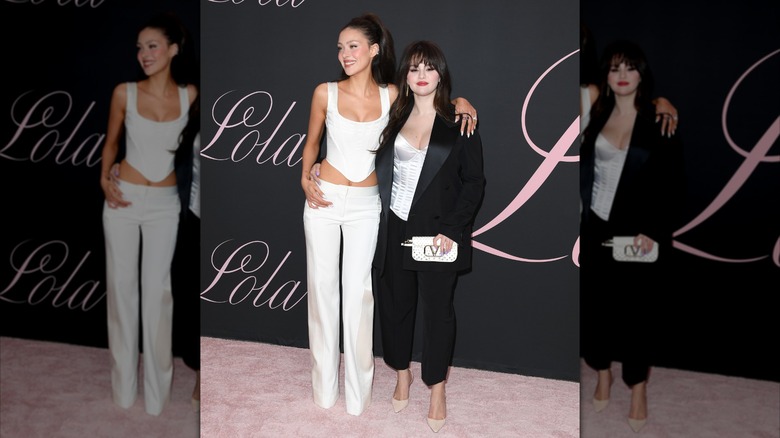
<point>600,405</point>
<point>400,405</point>
<point>636,425</point>
<point>436,425</point>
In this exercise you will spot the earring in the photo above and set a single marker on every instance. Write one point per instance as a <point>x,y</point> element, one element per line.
<point>608,91</point>
<point>407,90</point>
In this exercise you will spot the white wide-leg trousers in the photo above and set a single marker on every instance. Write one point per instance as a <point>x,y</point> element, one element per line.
<point>149,223</point>
<point>354,216</point>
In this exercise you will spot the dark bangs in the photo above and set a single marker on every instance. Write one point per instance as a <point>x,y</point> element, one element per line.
<point>426,54</point>
<point>624,52</point>
<point>632,55</point>
<point>626,58</point>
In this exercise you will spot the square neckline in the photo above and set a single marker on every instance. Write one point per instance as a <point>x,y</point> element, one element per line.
<point>338,113</point>
<point>182,112</point>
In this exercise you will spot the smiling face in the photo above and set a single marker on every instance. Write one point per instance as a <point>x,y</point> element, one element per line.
<point>355,53</point>
<point>422,79</point>
<point>154,51</point>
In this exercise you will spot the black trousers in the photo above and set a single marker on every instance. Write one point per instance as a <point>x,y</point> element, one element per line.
<point>617,302</point>
<point>185,282</point>
<point>398,291</point>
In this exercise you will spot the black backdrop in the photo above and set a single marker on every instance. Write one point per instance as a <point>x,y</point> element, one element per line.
<point>261,62</point>
<point>711,59</point>
<point>62,60</point>
<point>514,315</point>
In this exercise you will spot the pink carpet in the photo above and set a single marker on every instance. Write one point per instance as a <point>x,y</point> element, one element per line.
<point>685,404</point>
<point>253,389</point>
<point>259,390</point>
<point>55,390</point>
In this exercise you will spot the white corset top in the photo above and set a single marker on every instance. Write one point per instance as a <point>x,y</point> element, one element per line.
<point>606,175</point>
<point>350,144</point>
<point>150,144</point>
<point>407,165</point>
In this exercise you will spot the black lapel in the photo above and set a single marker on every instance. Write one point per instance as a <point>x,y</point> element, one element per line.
<point>384,172</point>
<point>439,149</point>
<point>636,156</point>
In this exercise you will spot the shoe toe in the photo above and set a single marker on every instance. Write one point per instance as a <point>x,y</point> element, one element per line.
<point>637,425</point>
<point>600,405</point>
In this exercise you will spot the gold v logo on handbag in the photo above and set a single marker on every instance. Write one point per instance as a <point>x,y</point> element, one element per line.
<point>423,250</point>
<point>624,250</point>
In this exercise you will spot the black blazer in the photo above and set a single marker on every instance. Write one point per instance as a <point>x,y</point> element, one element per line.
<point>447,197</point>
<point>651,187</point>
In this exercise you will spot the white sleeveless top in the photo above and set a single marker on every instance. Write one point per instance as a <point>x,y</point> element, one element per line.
<point>407,165</point>
<point>150,144</point>
<point>609,166</point>
<point>350,144</point>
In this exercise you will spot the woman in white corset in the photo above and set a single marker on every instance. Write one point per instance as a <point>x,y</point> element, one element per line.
<point>141,212</point>
<point>342,207</point>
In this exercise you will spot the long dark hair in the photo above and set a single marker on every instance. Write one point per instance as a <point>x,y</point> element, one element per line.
<point>383,64</point>
<point>428,53</point>
<point>621,51</point>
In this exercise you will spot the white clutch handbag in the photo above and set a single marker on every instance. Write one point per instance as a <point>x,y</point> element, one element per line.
<point>624,250</point>
<point>423,250</point>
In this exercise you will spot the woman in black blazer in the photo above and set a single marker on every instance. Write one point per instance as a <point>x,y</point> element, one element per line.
<point>431,183</point>
<point>630,182</point>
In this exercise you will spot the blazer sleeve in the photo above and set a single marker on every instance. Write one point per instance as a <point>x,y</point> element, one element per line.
<point>456,224</point>
<point>663,191</point>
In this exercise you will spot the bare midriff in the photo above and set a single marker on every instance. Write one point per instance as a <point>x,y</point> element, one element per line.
<point>130,174</point>
<point>332,175</point>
